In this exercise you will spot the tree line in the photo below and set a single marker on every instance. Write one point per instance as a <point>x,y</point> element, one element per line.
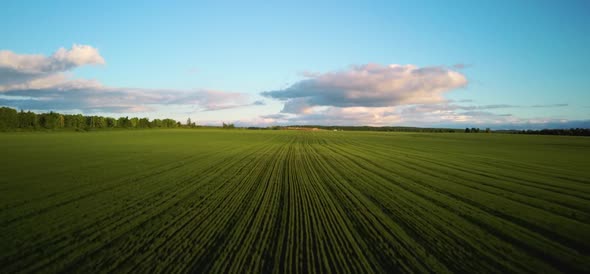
<point>565,131</point>
<point>477,130</point>
<point>11,119</point>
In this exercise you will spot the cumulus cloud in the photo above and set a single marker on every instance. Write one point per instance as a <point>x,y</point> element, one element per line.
<point>62,60</point>
<point>22,69</point>
<point>370,85</point>
<point>370,94</point>
<point>43,83</point>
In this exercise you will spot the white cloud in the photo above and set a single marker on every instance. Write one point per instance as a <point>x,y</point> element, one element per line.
<point>62,60</point>
<point>28,69</point>
<point>370,85</point>
<point>79,55</point>
<point>370,94</point>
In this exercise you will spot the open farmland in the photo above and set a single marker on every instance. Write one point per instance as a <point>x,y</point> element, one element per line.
<point>293,201</point>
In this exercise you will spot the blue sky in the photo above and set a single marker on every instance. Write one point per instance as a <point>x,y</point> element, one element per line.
<point>520,63</point>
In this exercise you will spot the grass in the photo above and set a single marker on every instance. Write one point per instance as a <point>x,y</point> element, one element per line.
<point>291,201</point>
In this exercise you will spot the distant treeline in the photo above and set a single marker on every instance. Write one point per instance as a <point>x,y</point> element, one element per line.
<point>570,132</point>
<point>11,119</point>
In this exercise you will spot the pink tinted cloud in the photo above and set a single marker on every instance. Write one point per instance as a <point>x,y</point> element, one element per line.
<point>371,85</point>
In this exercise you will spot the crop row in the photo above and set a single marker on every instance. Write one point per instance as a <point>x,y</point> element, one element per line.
<point>293,202</point>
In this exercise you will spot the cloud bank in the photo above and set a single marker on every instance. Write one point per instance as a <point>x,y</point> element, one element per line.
<point>43,83</point>
<point>421,115</point>
<point>385,95</point>
<point>370,85</point>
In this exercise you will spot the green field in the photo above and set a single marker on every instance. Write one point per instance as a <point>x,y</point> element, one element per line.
<point>293,201</point>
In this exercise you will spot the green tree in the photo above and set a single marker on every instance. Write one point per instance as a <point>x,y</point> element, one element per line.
<point>144,123</point>
<point>169,123</point>
<point>8,118</point>
<point>123,122</point>
<point>111,122</point>
<point>99,122</point>
<point>51,120</point>
<point>157,123</point>
<point>27,120</point>
<point>80,121</point>
<point>134,122</point>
